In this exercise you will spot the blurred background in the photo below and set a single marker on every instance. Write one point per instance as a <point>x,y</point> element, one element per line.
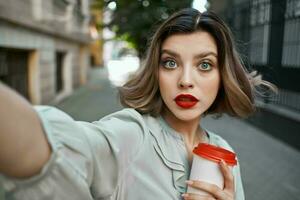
<point>73,53</point>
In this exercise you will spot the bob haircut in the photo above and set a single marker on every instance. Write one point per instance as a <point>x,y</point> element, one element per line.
<point>236,93</point>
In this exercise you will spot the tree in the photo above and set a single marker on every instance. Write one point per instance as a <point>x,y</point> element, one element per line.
<point>135,20</point>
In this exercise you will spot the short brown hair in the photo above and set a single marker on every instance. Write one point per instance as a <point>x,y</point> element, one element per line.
<point>236,94</point>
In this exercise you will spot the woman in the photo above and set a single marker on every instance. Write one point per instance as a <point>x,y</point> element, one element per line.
<point>145,150</point>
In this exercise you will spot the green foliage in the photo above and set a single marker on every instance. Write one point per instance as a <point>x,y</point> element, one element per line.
<point>136,19</point>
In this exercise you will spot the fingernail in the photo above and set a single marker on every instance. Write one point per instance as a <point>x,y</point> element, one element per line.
<point>189,182</point>
<point>184,195</point>
<point>223,162</point>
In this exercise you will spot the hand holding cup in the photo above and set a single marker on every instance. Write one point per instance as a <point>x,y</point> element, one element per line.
<point>211,174</point>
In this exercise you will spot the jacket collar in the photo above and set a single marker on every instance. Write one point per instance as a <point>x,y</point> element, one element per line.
<point>166,147</point>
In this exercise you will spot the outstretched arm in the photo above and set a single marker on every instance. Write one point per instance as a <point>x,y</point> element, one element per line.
<point>23,145</point>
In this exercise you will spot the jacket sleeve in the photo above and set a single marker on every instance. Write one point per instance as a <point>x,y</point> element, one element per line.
<point>87,158</point>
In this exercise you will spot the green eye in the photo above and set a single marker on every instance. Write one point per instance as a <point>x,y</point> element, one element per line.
<point>169,64</point>
<point>205,66</point>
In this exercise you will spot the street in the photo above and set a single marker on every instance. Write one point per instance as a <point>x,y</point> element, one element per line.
<point>269,167</point>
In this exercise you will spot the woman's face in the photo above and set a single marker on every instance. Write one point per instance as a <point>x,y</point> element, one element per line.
<point>189,76</point>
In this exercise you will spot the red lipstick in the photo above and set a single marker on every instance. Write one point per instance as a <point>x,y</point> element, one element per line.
<point>186,100</point>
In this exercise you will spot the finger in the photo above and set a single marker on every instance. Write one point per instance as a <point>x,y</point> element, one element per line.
<point>212,189</point>
<point>190,196</point>
<point>228,177</point>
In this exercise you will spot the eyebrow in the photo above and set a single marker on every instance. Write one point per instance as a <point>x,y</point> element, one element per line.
<point>201,55</point>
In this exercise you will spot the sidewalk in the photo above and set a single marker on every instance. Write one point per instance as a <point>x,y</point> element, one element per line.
<point>270,168</point>
<point>94,100</point>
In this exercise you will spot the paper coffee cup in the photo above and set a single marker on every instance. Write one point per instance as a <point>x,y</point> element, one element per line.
<point>206,166</point>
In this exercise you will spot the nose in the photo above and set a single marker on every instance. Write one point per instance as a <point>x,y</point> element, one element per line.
<point>185,80</point>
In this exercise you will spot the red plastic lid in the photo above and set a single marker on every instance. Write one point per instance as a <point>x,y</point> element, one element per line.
<point>215,153</point>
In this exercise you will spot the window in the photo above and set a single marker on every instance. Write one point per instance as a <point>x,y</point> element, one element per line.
<point>14,69</point>
<point>59,71</point>
<point>259,31</point>
<point>291,40</point>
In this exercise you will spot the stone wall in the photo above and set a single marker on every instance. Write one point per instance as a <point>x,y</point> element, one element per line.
<point>42,35</point>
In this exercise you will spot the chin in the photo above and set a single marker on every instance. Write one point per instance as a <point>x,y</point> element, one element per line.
<point>187,114</point>
<point>183,114</point>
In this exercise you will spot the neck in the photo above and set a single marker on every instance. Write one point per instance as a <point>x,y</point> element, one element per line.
<point>190,130</point>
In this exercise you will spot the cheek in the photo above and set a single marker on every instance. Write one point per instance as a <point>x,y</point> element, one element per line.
<point>164,82</point>
<point>161,84</point>
<point>210,87</point>
<point>166,86</point>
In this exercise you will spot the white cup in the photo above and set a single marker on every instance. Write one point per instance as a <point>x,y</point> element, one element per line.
<point>206,166</point>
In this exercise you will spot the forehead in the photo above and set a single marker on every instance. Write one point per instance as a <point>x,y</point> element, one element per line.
<point>196,42</point>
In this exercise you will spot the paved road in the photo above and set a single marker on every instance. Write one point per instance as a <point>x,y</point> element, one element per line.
<point>94,100</point>
<point>270,168</point>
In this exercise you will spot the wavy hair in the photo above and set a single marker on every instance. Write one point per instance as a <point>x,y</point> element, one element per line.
<point>238,86</point>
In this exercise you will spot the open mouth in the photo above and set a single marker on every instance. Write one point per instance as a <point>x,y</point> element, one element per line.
<point>186,100</point>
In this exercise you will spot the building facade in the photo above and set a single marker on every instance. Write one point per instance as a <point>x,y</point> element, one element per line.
<point>267,35</point>
<point>44,47</point>
<point>96,48</point>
